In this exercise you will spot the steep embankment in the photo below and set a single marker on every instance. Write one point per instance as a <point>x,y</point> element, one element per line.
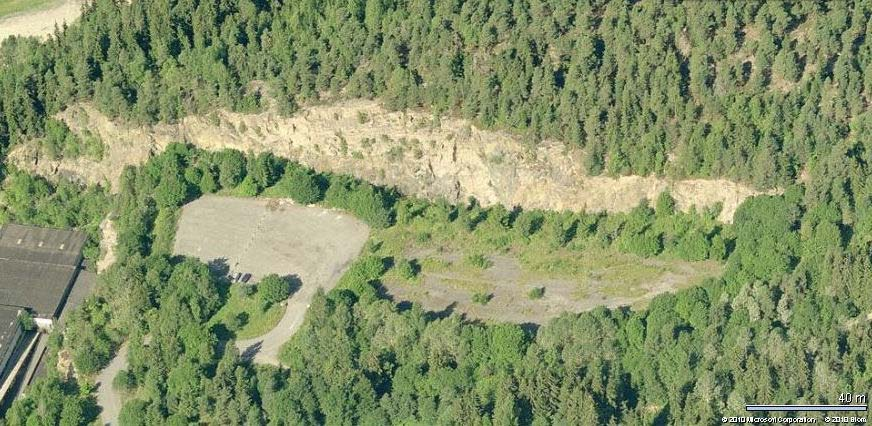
<point>414,151</point>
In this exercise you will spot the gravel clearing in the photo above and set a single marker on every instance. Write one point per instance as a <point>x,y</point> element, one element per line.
<point>269,236</point>
<point>40,23</point>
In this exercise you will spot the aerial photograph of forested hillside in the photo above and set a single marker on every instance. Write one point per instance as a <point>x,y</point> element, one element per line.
<point>435,212</point>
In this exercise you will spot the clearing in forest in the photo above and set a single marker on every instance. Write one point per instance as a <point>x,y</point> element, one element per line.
<point>269,236</point>
<point>498,274</point>
<point>36,17</point>
<point>505,289</point>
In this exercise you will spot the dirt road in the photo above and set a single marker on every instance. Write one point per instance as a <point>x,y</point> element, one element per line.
<point>107,398</point>
<point>269,236</point>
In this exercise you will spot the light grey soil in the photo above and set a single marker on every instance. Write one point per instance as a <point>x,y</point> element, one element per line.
<point>40,22</point>
<point>109,399</point>
<point>268,236</point>
<point>508,285</point>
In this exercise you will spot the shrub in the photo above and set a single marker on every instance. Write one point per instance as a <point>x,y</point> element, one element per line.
<point>25,320</point>
<point>693,245</point>
<point>481,298</point>
<point>273,288</point>
<point>470,220</point>
<point>361,199</point>
<point>93,146</point>
<point>231,168</point>
<point>134,413</point>
<point>560,229</point>
<point>248,188</point>
<point>297,183</point>
<point>407,269</point>
<point>264,169</point>
<point>718,249</point>
<point>528,223</point>
<point>395,154</point>
<point>60,141</point>
<point>479,261</point>
<point>124,381</point>
<point>238,321</point>
<point>665,204</point>
<point>766,237</point>
<point>360,276</point>
<point>536,293</point>
<point>172,191</point>
<point>645,244</point>
<point>207,183</point>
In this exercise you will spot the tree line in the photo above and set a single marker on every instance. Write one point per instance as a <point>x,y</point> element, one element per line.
<point>786,322</point>
<point>767,92</point>
<point>755,91</point>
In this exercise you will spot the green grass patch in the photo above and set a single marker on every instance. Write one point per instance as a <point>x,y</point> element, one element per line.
<point>479,261</point>
<point>435,264</point>
<point>621,289</point>
<point>472,285</point>
<point>460,252</point>
<point>481,298</point>
<point>12,7</point>
<point>243,315</point>
<point>628,275</point>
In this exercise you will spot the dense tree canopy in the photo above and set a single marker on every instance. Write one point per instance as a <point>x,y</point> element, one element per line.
<point>687,359</point>
<point>750,90</point>
<point>774,93</point>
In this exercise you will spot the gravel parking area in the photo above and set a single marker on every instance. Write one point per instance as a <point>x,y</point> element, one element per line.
<point>266,236</point>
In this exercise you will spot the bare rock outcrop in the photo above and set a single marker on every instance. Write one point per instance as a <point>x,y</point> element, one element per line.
<point>431,157</point>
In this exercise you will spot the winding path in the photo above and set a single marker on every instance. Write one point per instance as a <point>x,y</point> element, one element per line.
<point>108,398</point>
<point>272,236</point>
<point>265,349</point>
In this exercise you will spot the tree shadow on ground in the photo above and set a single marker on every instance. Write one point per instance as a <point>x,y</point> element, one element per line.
<point>220,270</point>
<point>294,284</point>
<point>249,352</point>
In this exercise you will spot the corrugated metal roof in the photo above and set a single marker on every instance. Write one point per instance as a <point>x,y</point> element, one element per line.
<point>37,266</point>
<point>61,247</point>
<point>8,329</point>
<point>82,288</point>
<point>37,286</point>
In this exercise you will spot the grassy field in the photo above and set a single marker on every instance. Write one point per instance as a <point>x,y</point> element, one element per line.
<point>441,249</point>
<point>258,321</point>
<point>12,7</point>
<point>580,275</point>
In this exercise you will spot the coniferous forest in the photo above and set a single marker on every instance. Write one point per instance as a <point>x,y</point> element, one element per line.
<point>773,94</point>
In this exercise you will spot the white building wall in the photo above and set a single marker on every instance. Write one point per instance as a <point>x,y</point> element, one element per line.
<point>44,324</point>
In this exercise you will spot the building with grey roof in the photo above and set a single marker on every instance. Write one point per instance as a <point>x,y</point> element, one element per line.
<point>38,270</point>
<point>39,266</point>
<point>62,247</point>
<point>10,332</point>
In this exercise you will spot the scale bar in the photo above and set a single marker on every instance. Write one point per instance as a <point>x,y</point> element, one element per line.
<point>800,407</point>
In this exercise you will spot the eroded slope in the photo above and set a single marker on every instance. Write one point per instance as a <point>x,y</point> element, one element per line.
<point>420,154</point>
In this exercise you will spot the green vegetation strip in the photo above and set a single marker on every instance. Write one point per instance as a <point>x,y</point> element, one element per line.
<point>244,314</point>
<point>770,93</point>
<point>14,7</point>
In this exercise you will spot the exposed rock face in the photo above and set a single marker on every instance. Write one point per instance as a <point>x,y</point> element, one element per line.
<point>420,154</point>
<point>107,244</point>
